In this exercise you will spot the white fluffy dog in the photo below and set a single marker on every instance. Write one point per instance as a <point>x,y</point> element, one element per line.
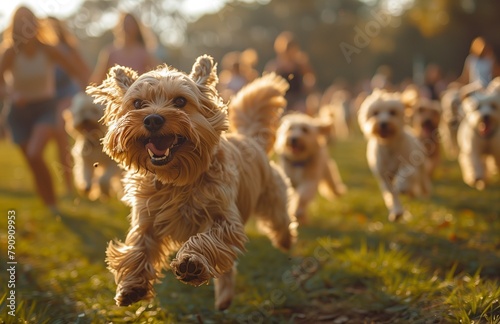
<point>395,155</point>
<point>479,135</point>
<point>91,163</point>
<point>303,153</point>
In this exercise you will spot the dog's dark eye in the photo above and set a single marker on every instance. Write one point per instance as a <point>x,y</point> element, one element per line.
<point>392,112</point>
<point>493,106</point>
<point>375,113</point>
<point>138,103</point>
<point>305,130</point>
<point>180,102</point>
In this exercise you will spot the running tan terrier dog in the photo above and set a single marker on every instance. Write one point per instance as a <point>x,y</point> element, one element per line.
<point>303,152</point>
<point>395,156</point>
<point>425,119</point>
<point>191,187</point>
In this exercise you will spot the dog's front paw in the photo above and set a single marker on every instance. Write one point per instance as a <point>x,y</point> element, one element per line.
<point>479,184</point>
<point>190,269</point>
<point>395,215</point>
<point>128,296</point>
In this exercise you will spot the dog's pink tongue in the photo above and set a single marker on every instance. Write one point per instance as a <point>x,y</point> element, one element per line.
<point>159,145</point>
<point>484,128</point>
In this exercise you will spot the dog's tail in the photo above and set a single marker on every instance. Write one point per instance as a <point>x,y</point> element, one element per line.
<point>256,110</point>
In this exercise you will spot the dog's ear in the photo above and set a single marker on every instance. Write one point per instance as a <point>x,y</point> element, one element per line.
<point>204,72</point>
<point>469,89</point>
<point>494,86</point>
<point>111,91</point>
<point>324,126</point>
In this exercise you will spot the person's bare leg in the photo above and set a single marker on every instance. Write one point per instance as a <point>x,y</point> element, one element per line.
<point>33,151</point>
<point>63,147</point>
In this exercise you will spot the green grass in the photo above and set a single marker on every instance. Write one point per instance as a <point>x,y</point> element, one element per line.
<point>350,265</point>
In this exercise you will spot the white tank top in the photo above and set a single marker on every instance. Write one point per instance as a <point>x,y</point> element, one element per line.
<point>33,77</point>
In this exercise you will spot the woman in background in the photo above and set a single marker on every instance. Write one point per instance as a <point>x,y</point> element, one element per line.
<point>27,81</point>
<point>133,47</point>
<point>293,65</point>
<point>66,89</point>
<point>481,65</point>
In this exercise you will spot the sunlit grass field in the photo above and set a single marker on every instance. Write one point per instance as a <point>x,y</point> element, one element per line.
<point>350,265</point>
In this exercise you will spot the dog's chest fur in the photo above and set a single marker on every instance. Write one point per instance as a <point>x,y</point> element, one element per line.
<point>228,186</point>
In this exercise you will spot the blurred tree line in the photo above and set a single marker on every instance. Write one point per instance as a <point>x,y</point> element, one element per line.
<point>345,39</point>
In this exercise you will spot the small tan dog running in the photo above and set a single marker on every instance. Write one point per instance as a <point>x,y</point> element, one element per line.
<point>451,118</point>
<point>425,118</point>
<point>479,135</point>
<point>190,186</point>
<point>91,163</point>
<point>303,154</point>
<point>395,156</point>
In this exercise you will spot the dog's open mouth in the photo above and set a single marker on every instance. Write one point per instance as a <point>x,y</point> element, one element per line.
<point>428,127</point>
<point>485,127</point>
<point>295,146</point>
<point>161,149</point>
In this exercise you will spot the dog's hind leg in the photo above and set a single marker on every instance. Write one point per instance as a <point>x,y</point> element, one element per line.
<point>136,263</point>
<point>225,288</point>
<point>272,211</point>
<point>332,181</point>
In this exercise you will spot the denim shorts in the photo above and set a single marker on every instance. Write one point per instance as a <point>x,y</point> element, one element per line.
<point>22,119</point>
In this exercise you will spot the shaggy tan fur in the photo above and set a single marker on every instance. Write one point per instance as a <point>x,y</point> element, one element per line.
<point>451,118</point>
<point>303,152</point>
<point>191,187</point>
<point>425,117</point>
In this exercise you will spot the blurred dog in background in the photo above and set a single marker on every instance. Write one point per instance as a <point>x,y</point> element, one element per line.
<point>395,156</point>
<point>95,174</point>
<point>303,154</point>
<point>479,135</point>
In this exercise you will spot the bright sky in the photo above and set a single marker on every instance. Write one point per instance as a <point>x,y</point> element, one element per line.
<point>63,8</point>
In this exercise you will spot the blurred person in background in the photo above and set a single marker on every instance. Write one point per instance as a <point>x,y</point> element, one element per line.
<point>27,82</point>
<point>434,83</point>
<point>293,64</point>
<point>66,89</point>
<point>238,69</point>
<point>133,47</point>
<point>481,66</point>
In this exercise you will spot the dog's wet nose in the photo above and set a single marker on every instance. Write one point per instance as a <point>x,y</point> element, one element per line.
<point>153,122</point>
<point>486,118</point>
<point>294,141</point>
<point>383,125</point>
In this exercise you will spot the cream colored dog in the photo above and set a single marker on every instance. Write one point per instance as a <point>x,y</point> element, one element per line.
<point>191,187</point>
<point>303,153</point>
<point>95,174</point>
<point>479,135</point>
<point>395,155</point>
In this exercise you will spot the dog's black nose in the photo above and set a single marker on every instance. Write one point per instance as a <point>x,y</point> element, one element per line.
<point>383,125</point>
<point>486,118</point>
<point>153,122</point>
<point>294,141</point>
